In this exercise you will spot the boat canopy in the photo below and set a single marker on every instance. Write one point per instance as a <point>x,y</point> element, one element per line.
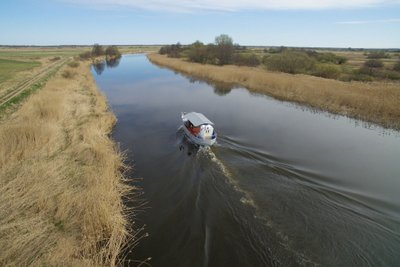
<point>196,119</point>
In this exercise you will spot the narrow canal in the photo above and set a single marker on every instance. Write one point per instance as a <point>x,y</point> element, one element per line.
<point>284,185</point>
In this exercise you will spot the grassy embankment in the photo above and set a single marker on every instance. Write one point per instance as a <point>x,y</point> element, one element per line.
<point>376,102</point>
<point>61,185</point>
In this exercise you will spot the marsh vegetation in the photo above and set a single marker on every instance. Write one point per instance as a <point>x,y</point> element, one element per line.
<point>375,65</point>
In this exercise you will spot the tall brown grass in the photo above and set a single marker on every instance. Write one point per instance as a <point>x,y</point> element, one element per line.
<point>377,102</point>
<point>61,185</point>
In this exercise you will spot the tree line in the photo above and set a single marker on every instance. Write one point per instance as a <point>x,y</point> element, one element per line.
<point>223,51</point>
<point>111,52</point>
<point>290,60</point>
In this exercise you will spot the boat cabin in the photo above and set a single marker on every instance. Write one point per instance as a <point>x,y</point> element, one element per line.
<point>198,126</point>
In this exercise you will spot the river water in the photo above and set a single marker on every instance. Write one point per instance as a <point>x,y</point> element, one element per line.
<point>283,186</point>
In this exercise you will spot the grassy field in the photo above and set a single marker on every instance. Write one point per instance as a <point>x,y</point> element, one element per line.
<point>40,52</point>
<point>36,53</point>
<point>61,182</point>
<point>126,49</point>
<point>357,58</point>
<point>9,67</point>
<point>376,102</point>
<point>19,64</point>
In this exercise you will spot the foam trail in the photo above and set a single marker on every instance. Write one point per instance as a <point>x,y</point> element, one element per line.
<point>246,199</point>
<point>206,246</point>
<point>210,154</point>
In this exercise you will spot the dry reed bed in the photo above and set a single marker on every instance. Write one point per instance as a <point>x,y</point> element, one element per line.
<point>61,185</point>
<point>377,102</point>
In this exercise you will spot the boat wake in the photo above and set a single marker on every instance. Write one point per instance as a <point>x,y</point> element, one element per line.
<point>207,152</point>
<point>209,158</point>
<point>247,200</point>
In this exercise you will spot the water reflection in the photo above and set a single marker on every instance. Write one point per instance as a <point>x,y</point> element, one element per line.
<point>220,88</point>
<point>113,62</point>
<point>100,65</point>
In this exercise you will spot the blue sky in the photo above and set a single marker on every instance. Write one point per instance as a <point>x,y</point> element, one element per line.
<point>323,23</point>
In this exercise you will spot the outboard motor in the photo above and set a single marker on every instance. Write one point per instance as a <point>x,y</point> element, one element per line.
<point>206,131</point>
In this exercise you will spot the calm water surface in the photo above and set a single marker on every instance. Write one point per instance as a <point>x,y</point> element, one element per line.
<point>284,185</point>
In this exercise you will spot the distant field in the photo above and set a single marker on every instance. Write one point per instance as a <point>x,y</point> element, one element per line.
<point>9,67</point>
<point>356,58</point>
<point>18,64</point>
<point>40,52</point>
<point>139,49</point>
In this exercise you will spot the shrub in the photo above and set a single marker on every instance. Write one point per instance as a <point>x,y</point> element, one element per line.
<point>367,71</point>
<point>373,63</point>
<point>97,50</point>
<point>85,55</point>
<point>390,74</point>
<point>163,50</point>
<point>377,54</point>
<point>55,59</point>
<point>396,66</point>
<point>112,52</point>
<point>359,76</point>
<point>212,54</point>
<point>171,50</point>
<point>246,59</point>
<point>198,52</point>
<point>67,74</point>
<point>275,50</point>
<point>291,62</point>
<point>329,58</point>
<point>372,68</point>
<point>73,64</point>
<point>329,71</point>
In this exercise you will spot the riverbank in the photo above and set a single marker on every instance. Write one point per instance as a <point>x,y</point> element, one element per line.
<point>61,185</point>
<point>375,102</point>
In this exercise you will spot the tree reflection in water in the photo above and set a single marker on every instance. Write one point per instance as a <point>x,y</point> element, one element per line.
<point>220,88</point>
<point>100,65</point>
<point>112,62</point>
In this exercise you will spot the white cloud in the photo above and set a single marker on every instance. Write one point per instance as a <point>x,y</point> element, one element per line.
<point>368,21</point>
<point>234,5</point>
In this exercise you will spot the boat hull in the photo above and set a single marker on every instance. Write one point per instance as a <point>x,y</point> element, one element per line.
<point>197,140</point>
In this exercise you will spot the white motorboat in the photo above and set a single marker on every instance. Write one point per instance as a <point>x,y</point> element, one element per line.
<point>198,128</point>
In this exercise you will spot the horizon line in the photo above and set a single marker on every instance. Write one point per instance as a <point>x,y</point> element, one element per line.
<point>288,46</point>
